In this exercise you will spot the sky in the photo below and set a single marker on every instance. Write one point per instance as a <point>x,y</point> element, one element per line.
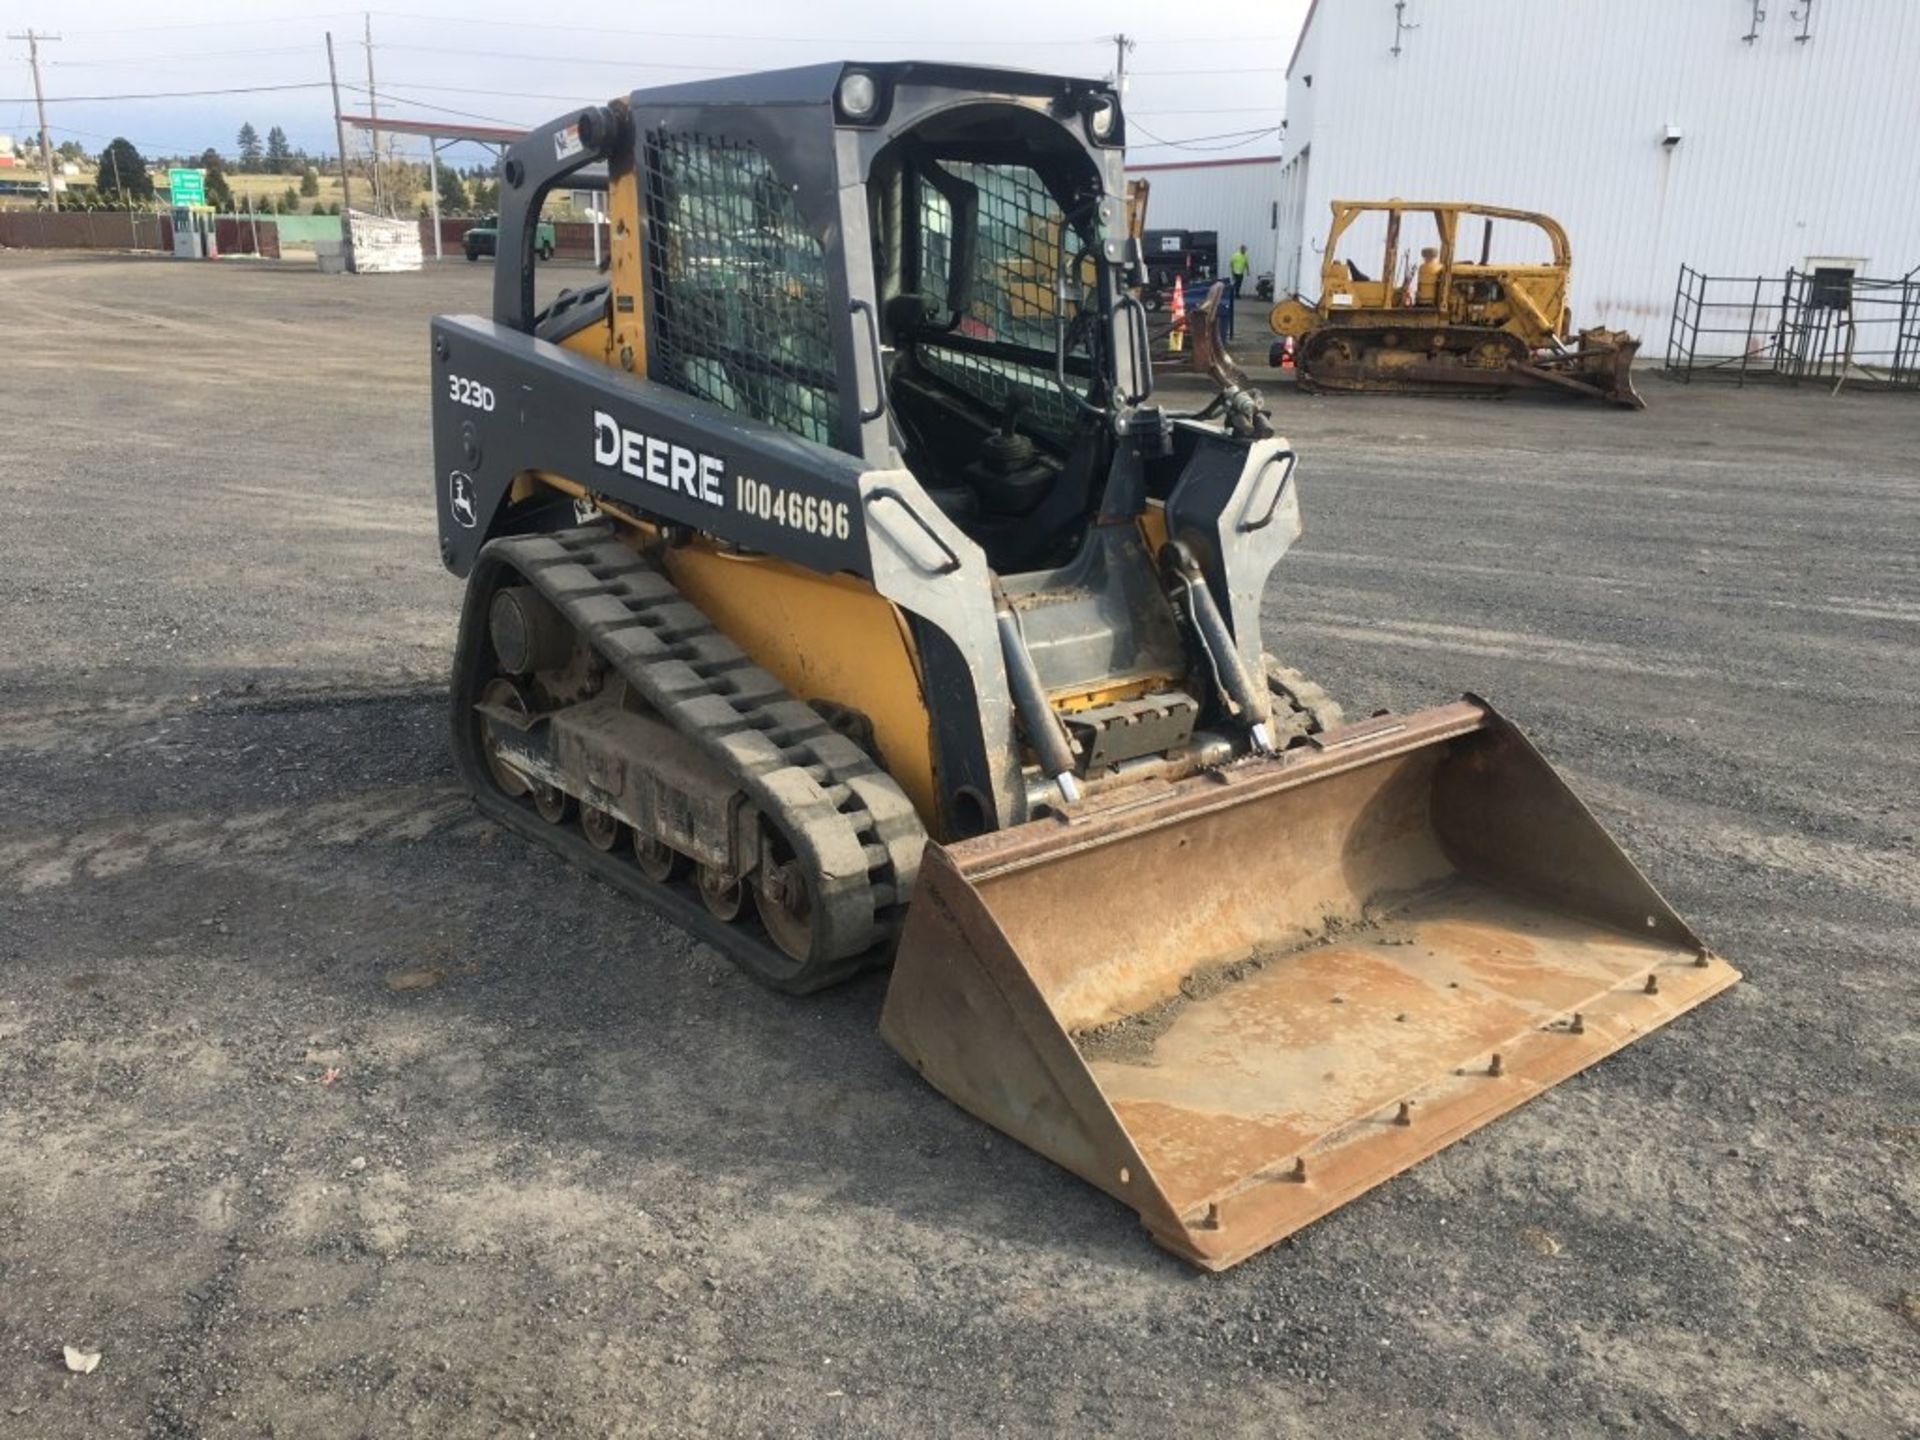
<point>1205,81</point>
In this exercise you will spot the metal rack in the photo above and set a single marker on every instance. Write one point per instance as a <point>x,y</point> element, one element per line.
<point>1826,326</point>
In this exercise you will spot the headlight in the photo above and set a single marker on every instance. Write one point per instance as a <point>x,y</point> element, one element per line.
<point>858,96</point>
<point>1102,116</point>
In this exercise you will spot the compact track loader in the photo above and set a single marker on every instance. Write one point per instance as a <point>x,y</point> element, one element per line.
<point>835,585</point>
<point>1449,325</point>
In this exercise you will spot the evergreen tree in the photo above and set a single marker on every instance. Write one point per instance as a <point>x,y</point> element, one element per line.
<point>219,193</point>
<point>453,192</point>
<point>279,154</point>
<point>249,143</point>
<point>289,200</point>
<point>309,182</point>
<point>123,173</point>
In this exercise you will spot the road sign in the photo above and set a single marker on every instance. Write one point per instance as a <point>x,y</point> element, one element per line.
<point>187,187</point>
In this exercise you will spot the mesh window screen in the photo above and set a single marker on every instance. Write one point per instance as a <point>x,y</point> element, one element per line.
<point>1016,262</point>
<point>739,285</point>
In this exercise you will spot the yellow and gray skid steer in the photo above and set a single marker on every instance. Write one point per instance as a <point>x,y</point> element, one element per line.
<point>835,585</point>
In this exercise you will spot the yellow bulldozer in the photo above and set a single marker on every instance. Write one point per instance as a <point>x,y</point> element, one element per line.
<point>1447,324</point>
<point>828,595</point>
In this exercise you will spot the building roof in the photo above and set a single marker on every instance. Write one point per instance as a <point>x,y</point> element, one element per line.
<point>1301,38</point>
<point>436,129</point>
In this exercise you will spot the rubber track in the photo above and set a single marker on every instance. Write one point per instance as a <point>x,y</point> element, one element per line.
<point>1309,709</point>
<point>850,825</point>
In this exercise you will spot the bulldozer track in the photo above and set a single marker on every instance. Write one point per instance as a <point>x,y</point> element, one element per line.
<point>1342,359</point>
<point>849,824</point>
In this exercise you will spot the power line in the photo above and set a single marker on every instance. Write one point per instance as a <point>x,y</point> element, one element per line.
<point>579,98</point>
<point>139,142</point>
<point>733,38</point>
<point>932,42</point>
<point>1236,139</point>
<point>174,94</point>
<point>711,69</point>
<point>393,94</point>
<point>563,59</point>
<point>183,55</point>
<point>226,24</point>
<point>1234,70</point>
<point>1216,110</point>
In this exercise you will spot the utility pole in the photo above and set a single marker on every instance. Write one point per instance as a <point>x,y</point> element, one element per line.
<point>373,108</point>
<point>433,189</point>
<point>40,103</point>
<point>1121,45</point>
<point>339,131</point>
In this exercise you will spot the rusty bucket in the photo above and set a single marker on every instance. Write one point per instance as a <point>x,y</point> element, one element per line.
<point>1238,1000</point>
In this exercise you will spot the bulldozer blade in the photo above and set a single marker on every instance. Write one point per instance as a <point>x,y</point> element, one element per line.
<point>1602,366</point>
<point>1618,373</point>
<point>1238,1000</point>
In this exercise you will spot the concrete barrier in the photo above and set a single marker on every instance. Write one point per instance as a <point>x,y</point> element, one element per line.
<point>304,230</point>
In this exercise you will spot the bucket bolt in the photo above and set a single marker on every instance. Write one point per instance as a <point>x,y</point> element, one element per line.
<point>1652,987</point>
<point>1405,1117</point>
<point>1577,1025</point>
<point>1299,1172</point>
<point>1496,1068</point>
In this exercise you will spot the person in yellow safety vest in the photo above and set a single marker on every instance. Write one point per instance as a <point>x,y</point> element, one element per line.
<point>1427,284</point>
<point>1237,263</point>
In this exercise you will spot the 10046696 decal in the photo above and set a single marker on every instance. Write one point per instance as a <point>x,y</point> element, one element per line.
<point>808,514</point>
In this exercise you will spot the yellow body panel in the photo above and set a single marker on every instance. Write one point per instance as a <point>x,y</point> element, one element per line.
<point>1153,526</point>
<point>825,637</point>
<point>595,342</point>
<point>627,348</point>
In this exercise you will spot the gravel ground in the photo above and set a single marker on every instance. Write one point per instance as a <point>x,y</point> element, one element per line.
<point>330,1111</point>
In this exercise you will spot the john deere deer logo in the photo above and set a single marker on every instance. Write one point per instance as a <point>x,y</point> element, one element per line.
<point>460,499</point>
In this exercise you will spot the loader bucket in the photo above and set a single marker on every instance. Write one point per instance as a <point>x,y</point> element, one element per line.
<point>1239,1000</point>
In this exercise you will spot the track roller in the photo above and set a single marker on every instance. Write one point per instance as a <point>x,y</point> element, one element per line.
<point>786,906</point>
<point>658,861</point>
<point>505,694</point>
<point>725,896</point>
<point>601,828</point>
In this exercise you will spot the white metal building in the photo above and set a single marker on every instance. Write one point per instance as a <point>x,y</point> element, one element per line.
<point>1236,198</point>
<point>1741,137</point>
